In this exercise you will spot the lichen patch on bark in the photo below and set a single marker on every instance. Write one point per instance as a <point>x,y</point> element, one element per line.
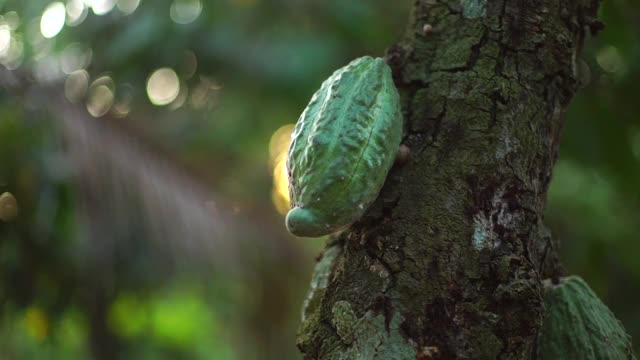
<point>472,9</point>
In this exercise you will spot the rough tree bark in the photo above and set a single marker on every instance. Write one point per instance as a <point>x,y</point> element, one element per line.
<point>448,262</point>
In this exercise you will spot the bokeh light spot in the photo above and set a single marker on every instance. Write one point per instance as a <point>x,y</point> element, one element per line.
<point>99,101</point>
<point>76,85</point>
<point>205,93</point>
<point>12,56</point>
<point>610,60</point>
<point>128,6</point>
<point>128,316</point>
<point>37,323</point>
<point>5,38</point>
<point>100,96</point>
<point>278,147</point>
<point>189,65</point>
<point>8,207</point>
<point>124,100</point>
<point>12,19</point>
<point>76,12</point>
<point>163,86</point>
<point>47,69</point>
<point>75,56</point>
<point>185,11</point>
<point>178,317</point>
<point>181,98</point>
<point>101,7</point>
<point>52,20</point>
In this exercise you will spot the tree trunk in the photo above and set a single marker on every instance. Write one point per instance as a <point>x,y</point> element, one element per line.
<point>448,262</point>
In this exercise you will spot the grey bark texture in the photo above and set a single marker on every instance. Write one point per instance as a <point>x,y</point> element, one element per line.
<point>448,262</point>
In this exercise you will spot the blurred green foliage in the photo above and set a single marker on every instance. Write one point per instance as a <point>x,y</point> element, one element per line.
<point>594,200</point>
<point>246,68</point>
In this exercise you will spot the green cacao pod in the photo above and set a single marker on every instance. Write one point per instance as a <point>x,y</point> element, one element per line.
<point>342,148</point>
<point>577,325</point>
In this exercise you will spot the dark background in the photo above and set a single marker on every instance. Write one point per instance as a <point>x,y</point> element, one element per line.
<point>114,251</point>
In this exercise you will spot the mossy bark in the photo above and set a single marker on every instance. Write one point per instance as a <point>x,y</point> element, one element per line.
<point>449,260</point>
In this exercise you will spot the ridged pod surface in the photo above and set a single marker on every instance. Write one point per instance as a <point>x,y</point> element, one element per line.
<point>342,148</point>
<point>577,325</point>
